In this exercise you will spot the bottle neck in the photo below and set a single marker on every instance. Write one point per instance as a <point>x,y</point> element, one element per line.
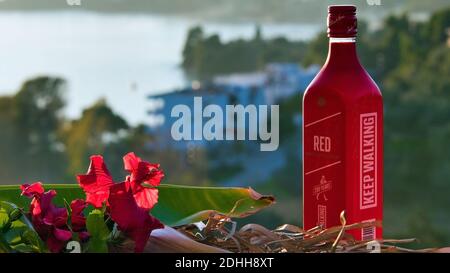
<point>342,52</point>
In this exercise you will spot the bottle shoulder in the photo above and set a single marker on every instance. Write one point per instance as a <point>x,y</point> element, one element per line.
<point>343,81</point>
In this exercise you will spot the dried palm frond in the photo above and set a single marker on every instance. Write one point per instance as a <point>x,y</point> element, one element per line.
<point>221,232</point>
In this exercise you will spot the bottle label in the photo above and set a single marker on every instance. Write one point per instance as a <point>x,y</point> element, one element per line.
<point>368,161</point>
<point>323,162</point>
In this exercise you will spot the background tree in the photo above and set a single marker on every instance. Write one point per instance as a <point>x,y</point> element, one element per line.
<point>10,161</point>
<point>37,113</point>
<point>92,133</point>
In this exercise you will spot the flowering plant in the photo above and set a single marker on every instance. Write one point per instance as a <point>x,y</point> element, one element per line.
<point>127,204</point>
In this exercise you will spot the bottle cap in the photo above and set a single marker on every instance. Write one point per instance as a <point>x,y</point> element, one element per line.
<point>342,21</point>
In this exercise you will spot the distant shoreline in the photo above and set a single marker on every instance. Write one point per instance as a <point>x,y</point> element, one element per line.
<point>317,18</point>
<point>160,14</point>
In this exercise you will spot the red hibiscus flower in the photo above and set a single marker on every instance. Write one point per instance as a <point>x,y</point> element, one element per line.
<point>96,182</point>
<point>128,202</point>
<point>33,190</point>
<point>133,220</point>
<point>77,218</point>
<point>142,172</point>
<point>58,233</point>
<point>49,221</point>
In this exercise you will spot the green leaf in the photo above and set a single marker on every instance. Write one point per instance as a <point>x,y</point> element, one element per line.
<point>4,220</point>
<point>177,205</point>
<point>98,231</point>
<point>69,213</point>
<point>19,235</point>
<point>4,246</point>
<point>24,248</point>
<point>30,237</point>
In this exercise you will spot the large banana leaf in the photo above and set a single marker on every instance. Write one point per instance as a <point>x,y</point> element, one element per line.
<point>177,205</point>
<point>180,205</point>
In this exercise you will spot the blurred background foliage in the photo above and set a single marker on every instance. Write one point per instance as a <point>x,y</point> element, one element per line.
<point>409,59</point>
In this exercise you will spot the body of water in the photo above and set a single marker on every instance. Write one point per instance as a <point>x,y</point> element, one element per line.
<point>122,58</point>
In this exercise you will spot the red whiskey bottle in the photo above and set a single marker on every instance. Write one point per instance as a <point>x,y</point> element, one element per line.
<point>343,136</point>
